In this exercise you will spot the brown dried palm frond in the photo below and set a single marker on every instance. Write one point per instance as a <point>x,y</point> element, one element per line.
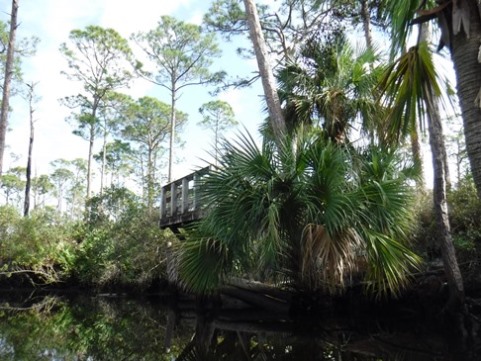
<point>326,259</point>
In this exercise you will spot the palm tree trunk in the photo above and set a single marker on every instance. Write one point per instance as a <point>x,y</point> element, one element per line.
<point>7,80</point>
<point>464,53</point>
<point>273,104</point>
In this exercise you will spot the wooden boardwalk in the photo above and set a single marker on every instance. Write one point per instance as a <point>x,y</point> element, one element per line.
<point>180,201</point>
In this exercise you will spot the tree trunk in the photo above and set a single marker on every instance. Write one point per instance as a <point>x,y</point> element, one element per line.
<point>104,159</point>
<point>468,75</point>
<point>416,151</point>
<point>150,181</point>
<point>273,104</point>
<point>7,80</point>
<point>451,267</point>
<point>89,160</point>
<point>26,204</point>
<point>172,132</point>
<point>366,23</point>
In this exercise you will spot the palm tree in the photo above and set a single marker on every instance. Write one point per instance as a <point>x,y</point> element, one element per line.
<point>334,84</point>
<point>460,25</point>
<point>412,91</point>
<point>308,212</point>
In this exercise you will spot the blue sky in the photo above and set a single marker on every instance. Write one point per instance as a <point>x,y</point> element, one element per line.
<point>51,21</point>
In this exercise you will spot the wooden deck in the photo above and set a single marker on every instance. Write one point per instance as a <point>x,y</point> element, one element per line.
<point>180,201</point>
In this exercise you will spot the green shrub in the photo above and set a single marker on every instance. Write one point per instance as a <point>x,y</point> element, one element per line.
<point>36,243</point>
<point>120,243</point>
<point>465,214</point>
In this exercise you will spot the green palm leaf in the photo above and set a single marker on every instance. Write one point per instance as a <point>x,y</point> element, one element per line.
<point>307,210</point>
<point>405,88</point>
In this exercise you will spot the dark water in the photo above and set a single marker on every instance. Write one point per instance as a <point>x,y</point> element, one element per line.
<point>108,327</point>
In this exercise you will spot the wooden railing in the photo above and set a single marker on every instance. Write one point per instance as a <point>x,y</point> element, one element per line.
<point>180,201</point>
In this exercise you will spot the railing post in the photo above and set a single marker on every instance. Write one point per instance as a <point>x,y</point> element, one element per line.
<point>163,203</point>
<point>185,195</point>
<point>173,199</point>
<point>196,198</point>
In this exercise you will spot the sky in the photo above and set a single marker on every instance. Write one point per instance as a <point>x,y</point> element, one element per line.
<point>51,21</point>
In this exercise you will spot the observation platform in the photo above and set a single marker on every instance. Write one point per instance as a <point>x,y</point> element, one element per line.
<point>180,201</point>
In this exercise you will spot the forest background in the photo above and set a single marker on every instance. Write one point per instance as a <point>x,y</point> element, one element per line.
<point>94,250</point>
<point>51,23</point>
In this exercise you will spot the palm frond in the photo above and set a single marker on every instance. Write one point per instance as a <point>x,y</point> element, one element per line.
<point>326,258</point>
<point>400,15</point>
<point>202,264</point>
<point>306,209</point>
<point>389,263</point>
<point>407,85</point>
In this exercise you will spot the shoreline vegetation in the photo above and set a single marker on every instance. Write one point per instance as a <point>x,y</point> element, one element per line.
<point>126,253</point>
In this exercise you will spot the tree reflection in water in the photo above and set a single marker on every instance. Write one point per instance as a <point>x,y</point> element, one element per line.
<point>120,328</point>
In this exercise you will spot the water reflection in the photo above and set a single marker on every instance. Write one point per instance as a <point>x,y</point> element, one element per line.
<point>81,328</point>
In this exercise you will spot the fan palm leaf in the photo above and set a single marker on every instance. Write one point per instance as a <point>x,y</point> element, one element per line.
<point>335,86</point>
<point>307,210</point>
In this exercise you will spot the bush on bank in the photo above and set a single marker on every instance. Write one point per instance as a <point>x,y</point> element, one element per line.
<point>118,244</point>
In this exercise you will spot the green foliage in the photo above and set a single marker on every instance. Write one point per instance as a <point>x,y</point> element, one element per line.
<point>465,216</point>
<point>147,126</point>
<point>120,244</point>
<point>35,244</point>
<point>218,116</point>
<point>409,87</point>
<point>180,53</point>
<point>332,83</point>
<point>97,57</point>
<point>465,220</point>
<point>117,244</point>
<point>311,212</point>
<point>11,185</point>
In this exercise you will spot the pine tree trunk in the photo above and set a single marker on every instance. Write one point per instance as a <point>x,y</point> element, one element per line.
<point>172,132</point>
<point>26,204</point>
<point>89,161</point>
<point>417,156</point>
<point>7,80</point>
<point>273,104</point>
<point>451,267</point>
<point>366,23</point>
<point>104,160</point>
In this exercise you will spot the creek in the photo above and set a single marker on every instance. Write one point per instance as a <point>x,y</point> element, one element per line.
<point>112,327</point>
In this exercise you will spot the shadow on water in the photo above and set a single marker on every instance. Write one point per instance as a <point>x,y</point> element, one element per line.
<point>111,327</point>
